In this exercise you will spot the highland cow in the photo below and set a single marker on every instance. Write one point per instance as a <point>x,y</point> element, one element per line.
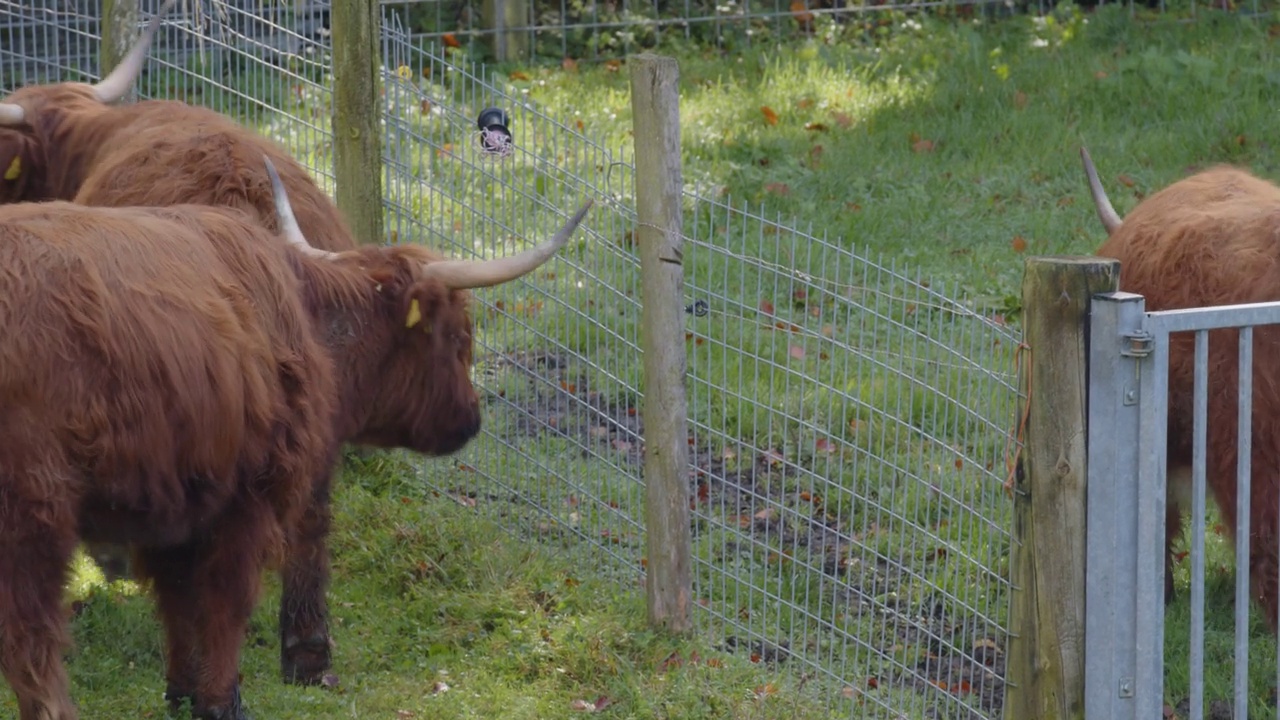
<point>1211,239</point>
<point>396,324</point>
<point>401,387</point>
<point>161,386</point>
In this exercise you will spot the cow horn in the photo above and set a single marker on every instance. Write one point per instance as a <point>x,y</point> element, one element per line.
<point>284,214</point>
<point>11,114</point>
<point>1107,214</point>
<point>464,274</point>
<point>116,84</point>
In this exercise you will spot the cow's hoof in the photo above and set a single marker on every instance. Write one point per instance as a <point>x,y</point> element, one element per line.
<point>175,696</point>
<point>232,710</point>
<point>304,662</point>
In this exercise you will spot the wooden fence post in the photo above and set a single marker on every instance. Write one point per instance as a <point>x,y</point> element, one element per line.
<point>119,31</point>
<point>1045,660</point>
<point>499,16</point>
<point>357,108</point>
<point>655,105</point>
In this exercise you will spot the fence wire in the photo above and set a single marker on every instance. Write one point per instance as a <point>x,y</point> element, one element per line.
<point>850,429</point>
<point>849,424</point>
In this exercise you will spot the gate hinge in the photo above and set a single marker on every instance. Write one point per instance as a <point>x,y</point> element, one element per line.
<point>1138,344</point>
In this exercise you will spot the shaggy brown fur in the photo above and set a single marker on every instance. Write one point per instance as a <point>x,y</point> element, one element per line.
<point>70,137</point>
<point>160,385</point>
<point>1214,239</point>
<point>400,387</point>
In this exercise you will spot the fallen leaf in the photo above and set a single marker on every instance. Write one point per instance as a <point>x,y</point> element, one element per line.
<point>770,116</point>
<point>873,683</point>
<point>849,692</point>
<point>519,75</point>
<point>450,40</point>
<point>1125,180</point>
<point>425,106</point>
<point>765,690</point>
<point>765,514</point>
<point>800,12</point>
<point>815,126</point>
<point>766,307</point>
<point>815,156</point>
<point>579,124</point>
<point>569,64</point>
<point>1019,244</point>
<point>826,446</point>
<point>612,65</point>
<point>796,352</point>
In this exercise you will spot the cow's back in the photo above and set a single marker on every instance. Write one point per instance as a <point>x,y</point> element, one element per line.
<point>154,345</point>
<point>178,153</point>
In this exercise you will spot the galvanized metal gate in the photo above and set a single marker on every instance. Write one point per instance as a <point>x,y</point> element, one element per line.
<point>1127,441</point>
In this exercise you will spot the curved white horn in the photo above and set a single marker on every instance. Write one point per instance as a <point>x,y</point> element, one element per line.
<point>116,84</point>
<point>1107,214</point>
<point>11,114</point>
<point>284,214</point>
<point>464,274</point>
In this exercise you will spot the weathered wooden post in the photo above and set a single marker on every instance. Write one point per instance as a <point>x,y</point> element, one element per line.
<point>655,104</point>
<point>357,107</point>
<point>499,16</point>
<point>119,32</point>
<point>1045,658</point>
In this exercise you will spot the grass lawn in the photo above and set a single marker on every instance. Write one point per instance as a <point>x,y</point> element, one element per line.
<point>945,149</point>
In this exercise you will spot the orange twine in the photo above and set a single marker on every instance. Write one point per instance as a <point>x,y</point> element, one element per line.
<point>1011,458</point>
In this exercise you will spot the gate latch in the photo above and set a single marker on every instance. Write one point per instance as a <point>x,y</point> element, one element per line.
<point>1137,344</point>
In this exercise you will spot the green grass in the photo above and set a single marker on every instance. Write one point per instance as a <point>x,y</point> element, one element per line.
<point>427,591</point>
<point>948,150</point>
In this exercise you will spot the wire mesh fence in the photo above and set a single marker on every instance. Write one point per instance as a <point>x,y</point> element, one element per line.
<point>849,423</point>
<point>850,426</point>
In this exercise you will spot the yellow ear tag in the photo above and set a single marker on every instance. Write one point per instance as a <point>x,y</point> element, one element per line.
<point>15,169</point>
<point>415,314</point>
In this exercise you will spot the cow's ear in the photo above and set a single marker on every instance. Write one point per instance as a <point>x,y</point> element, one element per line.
<point>421,304</point>
<point>18,164</point>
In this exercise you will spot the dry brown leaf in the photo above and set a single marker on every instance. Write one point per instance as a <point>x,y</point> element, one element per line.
<point>770,116</point>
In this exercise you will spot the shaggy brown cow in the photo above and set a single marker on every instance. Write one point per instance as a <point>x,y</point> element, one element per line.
<point>396,324</point>
<point>50,135</point>
<point>161,385</point>
<point>1210,239</point>
<point>400,387</point>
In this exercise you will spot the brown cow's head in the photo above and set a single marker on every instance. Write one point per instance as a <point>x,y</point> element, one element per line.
<point>418,339</point>
<point>47,131</point>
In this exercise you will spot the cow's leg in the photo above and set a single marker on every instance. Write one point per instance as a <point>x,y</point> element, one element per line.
<point>37,540</point>
<point>305,647</point>
<point>112,559</point>
<point>170,573</point>
<point>1177,498</point>
<point>227,580</point>
<point>1264,554</point>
